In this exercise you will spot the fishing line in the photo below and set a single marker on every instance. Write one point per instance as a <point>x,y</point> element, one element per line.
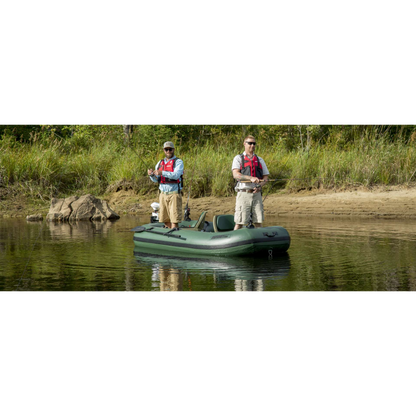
<point>187,209</point>
<point>270,190</point>
<point>278,180</point>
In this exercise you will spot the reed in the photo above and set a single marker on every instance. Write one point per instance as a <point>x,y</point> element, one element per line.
<point>88,163</point>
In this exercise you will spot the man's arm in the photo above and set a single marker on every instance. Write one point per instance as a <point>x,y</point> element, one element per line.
<point>153,173</point>
<point>240,177</point>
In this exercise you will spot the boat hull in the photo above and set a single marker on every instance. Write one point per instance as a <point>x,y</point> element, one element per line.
<point>242,242</point>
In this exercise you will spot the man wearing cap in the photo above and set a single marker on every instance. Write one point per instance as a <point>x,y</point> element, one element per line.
<point>248,169</point>
<point>168,173</point>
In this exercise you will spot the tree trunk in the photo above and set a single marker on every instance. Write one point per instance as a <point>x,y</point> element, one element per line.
<point>128,132</point>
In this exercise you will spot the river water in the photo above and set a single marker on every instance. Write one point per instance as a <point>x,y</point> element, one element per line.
<point>326,254</point>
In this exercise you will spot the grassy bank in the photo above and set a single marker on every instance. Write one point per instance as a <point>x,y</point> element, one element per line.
<point>50,165</point>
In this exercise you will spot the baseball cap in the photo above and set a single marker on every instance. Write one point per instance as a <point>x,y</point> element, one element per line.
<point>169,144</point>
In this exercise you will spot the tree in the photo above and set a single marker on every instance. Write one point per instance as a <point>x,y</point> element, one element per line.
<point>128,130</point>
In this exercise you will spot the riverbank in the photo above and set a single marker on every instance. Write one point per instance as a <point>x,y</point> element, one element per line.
<point>339,170</point>
<point>381,201</point>
<point>384,202</point>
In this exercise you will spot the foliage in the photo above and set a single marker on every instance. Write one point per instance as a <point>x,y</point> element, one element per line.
<point>62,160</point>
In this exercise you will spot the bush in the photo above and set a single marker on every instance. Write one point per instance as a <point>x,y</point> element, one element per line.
<point>73,159</point>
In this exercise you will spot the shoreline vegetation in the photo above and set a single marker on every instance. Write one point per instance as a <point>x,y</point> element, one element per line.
<point>38,163</point>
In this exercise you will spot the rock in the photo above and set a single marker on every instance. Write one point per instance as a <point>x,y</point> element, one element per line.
<point>83,208</point>
<point>35,217</point>
<point>109,213</point>
<point>60,209</point>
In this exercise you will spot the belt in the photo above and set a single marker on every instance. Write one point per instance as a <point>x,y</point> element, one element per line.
<point>250,191</point>
<point>169,193</point>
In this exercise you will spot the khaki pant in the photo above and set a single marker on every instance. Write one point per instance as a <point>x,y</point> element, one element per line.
<point>170,208</point>
<point>247,203</point>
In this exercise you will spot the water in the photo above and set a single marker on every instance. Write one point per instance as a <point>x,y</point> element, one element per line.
<point>335,254</point>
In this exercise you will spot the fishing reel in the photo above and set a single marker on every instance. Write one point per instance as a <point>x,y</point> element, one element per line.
<point>250,222</point>
<point>187,214</point>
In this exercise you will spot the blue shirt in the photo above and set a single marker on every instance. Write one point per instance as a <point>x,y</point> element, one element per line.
<point>176,174</point>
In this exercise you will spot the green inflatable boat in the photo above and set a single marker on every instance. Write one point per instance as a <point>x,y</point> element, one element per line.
<point>216,238</point>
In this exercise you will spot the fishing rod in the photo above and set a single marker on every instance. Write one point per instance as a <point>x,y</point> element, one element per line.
<point>187,213</point>
<point>274,181</point>
<point>281,179</point>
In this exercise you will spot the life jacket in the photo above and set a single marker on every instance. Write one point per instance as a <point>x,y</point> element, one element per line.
<point>251,167</point>
<point>169,166</point>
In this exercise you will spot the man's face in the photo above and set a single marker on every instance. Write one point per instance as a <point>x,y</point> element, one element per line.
<point>169,152</point>
<point>250,145</point>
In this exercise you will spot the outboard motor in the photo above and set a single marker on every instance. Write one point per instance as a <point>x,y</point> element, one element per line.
<point>155,214</point>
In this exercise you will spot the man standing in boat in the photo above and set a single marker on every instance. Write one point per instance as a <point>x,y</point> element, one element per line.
<point>168,173</point>
<point>248,169</point>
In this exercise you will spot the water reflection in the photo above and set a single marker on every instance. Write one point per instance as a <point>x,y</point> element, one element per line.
<point>249,285</point>
<point>83,230</point>
<point>170,279</point>
<point>333,254</point>
<point>186,273</point>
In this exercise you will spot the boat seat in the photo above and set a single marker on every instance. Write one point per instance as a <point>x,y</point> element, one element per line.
<point>208,227</point>
<point>223,223</point>
<point>200,223</point>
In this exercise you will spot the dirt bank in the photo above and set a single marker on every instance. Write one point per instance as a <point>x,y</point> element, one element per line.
<point>386,202</point>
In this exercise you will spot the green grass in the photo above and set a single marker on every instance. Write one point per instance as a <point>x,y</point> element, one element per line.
<point>91,164</point>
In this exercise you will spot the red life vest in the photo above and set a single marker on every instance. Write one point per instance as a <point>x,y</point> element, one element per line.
<point>251,167</point>
<point>169,166</point>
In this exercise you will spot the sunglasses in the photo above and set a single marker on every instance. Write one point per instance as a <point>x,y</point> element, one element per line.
<point>251,143</point>
<point>167,149</point>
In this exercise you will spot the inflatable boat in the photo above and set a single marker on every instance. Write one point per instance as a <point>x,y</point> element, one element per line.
<point>216,238</point>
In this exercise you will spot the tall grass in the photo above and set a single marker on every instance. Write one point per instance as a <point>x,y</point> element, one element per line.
<point>384,163</point>
<point>86,164</point>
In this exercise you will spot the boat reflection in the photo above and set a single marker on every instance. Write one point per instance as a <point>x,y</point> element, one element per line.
<point>238,274</point>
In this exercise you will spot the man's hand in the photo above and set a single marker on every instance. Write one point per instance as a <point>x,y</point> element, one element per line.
<point>257,189</point>
<point>150,172</point>
<point>254,179</point>
<point>157,172</point>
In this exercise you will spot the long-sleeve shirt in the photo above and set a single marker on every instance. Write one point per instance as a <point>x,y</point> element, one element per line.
<point>176,174</point>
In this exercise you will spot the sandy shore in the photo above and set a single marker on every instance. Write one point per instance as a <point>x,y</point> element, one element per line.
<point>381,202</point>
<point>386,202</point>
